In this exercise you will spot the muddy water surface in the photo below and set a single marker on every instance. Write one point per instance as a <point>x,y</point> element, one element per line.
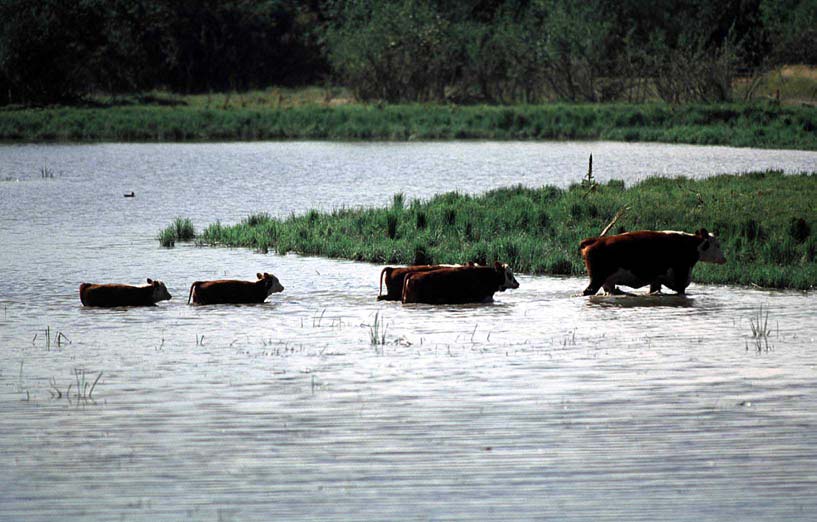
<point>539,406</point>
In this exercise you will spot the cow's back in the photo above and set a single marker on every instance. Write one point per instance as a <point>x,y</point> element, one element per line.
<point>227,291</point>
<point>645,252</point>
<point>636,259</point>
<point>394,279</point>
<point>111,295</point>
<point>451,285</point>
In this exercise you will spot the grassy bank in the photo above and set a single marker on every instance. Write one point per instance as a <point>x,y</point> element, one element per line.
<point>767,223</point>
<point>744,125</point>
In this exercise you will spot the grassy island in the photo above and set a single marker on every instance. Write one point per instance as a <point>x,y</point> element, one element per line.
<point>764,220</point>
<point>758,124</point>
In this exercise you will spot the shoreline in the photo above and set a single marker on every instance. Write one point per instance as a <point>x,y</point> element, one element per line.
<point>756,125</point>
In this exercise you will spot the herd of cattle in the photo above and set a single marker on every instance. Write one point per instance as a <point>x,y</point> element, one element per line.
<point>632,259</point>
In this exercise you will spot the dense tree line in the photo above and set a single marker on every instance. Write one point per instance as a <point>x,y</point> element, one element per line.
<point>60,50</point>
<point>400,50</point>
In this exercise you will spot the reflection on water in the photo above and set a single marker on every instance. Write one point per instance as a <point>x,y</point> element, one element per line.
<point>638,301</point>
<point>541,405</point>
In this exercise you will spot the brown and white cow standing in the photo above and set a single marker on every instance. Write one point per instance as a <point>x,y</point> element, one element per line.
<point>395,277</point>
<point>647,257</point>
<point>110,295</point>
<point>455,285</point>
<point>234,291</point>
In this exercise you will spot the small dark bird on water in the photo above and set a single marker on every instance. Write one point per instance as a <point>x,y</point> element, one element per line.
<point>130,195</point>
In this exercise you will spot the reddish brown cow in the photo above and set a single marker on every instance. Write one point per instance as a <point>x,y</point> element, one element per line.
<point>109,295</point>
<point>647,257</point>
<point>395,277</point>
<point>234,291</point>
<point>465,284</point>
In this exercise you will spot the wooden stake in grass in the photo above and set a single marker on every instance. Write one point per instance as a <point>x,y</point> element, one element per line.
<point>620,213</point>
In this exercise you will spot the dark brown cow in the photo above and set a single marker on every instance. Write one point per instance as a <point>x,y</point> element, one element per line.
<point>234,291</point>
<point>395,277</point>
<point>465,284</point>
<point>110,295</point>
<point>647,257</point>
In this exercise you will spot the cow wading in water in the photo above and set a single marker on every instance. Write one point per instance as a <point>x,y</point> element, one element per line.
<point>234,291</point>
<point>394,277</point>
<point>456,285</point>
<point>647,257</point>
<point>110,295</point>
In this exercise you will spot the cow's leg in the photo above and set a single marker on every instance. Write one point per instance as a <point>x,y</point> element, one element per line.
<point>680,290</point>
<point>590,290</point>
<point>682,276</point>
<point>593,287</point>
<point>678,287</point>
<point>599,281</point>
<point>614,290</point>
<point>611,289</point>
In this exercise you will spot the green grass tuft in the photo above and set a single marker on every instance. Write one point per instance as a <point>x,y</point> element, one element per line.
<point>180,230</point>
<point>167,238</point>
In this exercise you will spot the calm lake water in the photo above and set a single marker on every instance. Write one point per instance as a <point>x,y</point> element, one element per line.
<point>540,406</point>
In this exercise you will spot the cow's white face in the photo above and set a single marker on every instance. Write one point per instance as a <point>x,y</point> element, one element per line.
<point>510,281</point>
<point>160,292</point>
<point>709,250</point>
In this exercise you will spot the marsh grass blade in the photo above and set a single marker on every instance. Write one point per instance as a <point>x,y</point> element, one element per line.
<point>377,331</point>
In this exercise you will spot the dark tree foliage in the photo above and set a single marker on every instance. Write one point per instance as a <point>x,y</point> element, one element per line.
<point>533,50</point>
<point>491,51</point>
<point>47,52</point>
<point>792,29</point>
<point>239,44</point>
<point>60,50</point>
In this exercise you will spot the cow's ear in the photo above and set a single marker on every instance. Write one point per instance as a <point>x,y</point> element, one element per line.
<point>259,276</point>
<point>497,265</point>
<point>150,281</point>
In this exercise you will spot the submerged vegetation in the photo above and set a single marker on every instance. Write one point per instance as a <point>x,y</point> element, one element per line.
<point>764,221</point>
<point>761,331</point>
<point>755,125</point>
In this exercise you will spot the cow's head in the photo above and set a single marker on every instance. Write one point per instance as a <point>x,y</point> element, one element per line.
<point>271,283</point>
<point>508,280</point>
<point>159,290</point>
<point>709,249</point>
